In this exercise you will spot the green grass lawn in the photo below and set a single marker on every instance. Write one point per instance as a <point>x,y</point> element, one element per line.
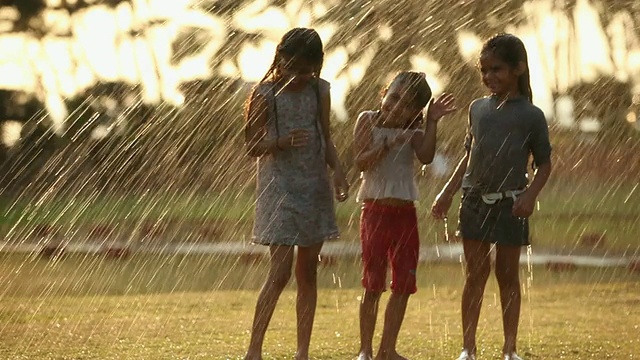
<point>200,307</point>
<point>567,213</point>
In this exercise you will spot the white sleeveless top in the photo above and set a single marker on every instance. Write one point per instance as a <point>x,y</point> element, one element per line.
<point>393,176</point>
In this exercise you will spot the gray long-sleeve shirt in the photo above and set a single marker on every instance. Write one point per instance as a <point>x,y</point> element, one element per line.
<point>500,142</point>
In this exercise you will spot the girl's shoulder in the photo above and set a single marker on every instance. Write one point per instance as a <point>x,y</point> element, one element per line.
<point>368,117</point>
<point>533,109</point>
<point>323,84</point>
<point>263,88</point>
<point>323,87</point>
<point>366,120</point>
<point>521,106</point>
<point>479,103</point>
<point>528,110</point>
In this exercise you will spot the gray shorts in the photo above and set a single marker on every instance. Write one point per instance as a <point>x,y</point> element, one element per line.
<point>491,223</point>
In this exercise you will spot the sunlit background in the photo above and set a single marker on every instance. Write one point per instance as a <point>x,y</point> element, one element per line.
<point>127,197</point>
<point>154,89</point>
<point>132,42</point>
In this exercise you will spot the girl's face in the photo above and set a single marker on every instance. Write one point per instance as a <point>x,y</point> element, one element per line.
<point>498,76</point>
<point>398,107</point>
<point>295,73</point>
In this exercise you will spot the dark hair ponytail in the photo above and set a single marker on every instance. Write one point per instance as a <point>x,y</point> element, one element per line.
<point>510,49</point>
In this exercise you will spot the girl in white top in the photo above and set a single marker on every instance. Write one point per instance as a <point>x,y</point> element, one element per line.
<point>386,142</point>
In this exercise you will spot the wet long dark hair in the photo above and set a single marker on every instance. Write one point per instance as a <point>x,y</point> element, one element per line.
<point>417,88</point>
<point>510,49</point>
<point>297,44</point>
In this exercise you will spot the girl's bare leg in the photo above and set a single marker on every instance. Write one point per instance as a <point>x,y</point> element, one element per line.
<point>368,316</point>
<point>306,277</point>
<point>507,274</point>
<point>394,315</point>
<point>277,279</point>
<point>478,261</point>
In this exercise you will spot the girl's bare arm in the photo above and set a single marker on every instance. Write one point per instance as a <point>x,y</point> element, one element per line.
<point>455,182</point>
<point>255,132</point>
<point>367,155</point>
<point>540,178</point>
<point>325,113</point>
<point>340,183</point>
<point>443,200</point>
<point>424,144</point>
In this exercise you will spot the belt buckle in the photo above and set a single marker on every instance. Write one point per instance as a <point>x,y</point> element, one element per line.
<point>514,194</point>
<point>493,198</point>
<point>490,200</point>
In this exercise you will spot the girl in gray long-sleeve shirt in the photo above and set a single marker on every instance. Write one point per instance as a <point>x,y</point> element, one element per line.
<point>504,130</point>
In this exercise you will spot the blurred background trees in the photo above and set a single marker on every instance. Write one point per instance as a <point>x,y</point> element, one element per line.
<point>115,133</point>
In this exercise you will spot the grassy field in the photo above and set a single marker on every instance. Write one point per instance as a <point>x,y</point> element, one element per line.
<point>200,307</point>
<point>568,213</point>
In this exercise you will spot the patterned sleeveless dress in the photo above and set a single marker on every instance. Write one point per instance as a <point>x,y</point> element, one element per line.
<point>294,204</point>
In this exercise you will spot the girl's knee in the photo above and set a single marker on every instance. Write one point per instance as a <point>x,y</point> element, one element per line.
<point>479,272</point>
<point>306,275</point>
<point>372,295</point>
<point>280,277</point>
<point>507,278</point>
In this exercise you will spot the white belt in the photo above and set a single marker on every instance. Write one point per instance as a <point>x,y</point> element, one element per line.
<point>492,198</point>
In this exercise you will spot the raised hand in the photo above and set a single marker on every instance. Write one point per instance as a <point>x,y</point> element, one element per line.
<point>441,106</point>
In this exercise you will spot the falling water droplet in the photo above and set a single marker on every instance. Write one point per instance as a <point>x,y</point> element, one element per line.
<point>446,230</point>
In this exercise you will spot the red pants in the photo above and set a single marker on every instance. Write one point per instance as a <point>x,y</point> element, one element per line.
<point>389,234</point>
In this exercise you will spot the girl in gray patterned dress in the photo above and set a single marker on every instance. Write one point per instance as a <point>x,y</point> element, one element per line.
<point>288,131</point>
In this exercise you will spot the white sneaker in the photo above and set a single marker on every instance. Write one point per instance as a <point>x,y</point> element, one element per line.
<point>466,355</point>
<point>512,356</point>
